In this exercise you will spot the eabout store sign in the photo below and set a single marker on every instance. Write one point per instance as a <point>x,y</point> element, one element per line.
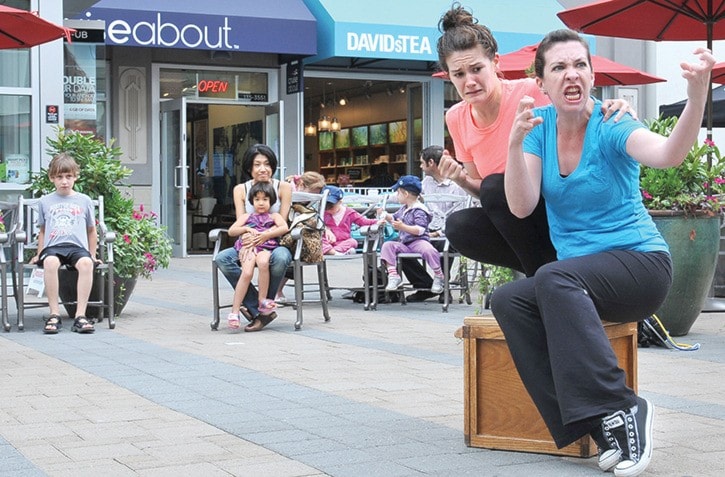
<point>279,27</point>
<point>164,33</point>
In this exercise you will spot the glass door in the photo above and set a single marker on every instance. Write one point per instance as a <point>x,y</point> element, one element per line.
<point>273,134</point>
<point>174,173</point>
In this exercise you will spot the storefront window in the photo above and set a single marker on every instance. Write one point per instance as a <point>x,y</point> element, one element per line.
<point>84,88</point>
<point>15,108</point>
<point>15,68</point>
<point>212,84</point>
<point>15,138</point>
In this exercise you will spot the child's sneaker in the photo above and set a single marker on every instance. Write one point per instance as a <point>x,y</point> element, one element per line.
<point>437,286</point>
<point>233,320</point>
<point>394,282</point>
<point>267,306</point>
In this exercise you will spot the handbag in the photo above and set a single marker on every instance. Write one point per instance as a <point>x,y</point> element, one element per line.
<point>312,227</point>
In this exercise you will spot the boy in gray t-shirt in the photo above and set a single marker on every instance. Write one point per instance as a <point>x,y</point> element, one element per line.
<point>67,235</point>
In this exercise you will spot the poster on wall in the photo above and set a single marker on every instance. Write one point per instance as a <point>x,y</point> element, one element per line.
<point>79,87</point>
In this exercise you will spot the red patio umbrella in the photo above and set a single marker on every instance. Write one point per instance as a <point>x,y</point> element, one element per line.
<point>607,72</point>
<point>24,29</point>
<point>656,20</point>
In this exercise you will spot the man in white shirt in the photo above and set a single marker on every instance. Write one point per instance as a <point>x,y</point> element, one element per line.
<point>433,183</point>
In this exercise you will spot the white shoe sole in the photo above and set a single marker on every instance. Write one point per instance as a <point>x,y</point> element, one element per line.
<point>609,459</point>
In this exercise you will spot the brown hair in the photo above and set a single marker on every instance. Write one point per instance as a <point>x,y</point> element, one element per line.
<point>310,180</point>
<point>63,163</point>
<point>461,31</point>
<point>551,39</point>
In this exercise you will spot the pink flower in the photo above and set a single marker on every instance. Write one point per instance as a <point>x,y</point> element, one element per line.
<point>646,194</point>
<point>126,238</point>
<point>719,180</point>
<point>709,143</point>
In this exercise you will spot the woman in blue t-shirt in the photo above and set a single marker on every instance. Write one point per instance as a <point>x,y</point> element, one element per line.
<point>613,263</point>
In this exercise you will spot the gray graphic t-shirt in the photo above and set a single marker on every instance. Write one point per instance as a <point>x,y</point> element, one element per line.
<point>66,218</point>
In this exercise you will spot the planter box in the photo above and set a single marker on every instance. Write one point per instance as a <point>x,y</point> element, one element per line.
<point>498,412</point>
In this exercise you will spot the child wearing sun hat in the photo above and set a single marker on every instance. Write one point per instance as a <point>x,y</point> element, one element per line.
<point>411,221</point>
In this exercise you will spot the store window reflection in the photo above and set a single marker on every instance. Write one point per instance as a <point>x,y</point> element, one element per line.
<point>15,138</point>
<point>15,68</point>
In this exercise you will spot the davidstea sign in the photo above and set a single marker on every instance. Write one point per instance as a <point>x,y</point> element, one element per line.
<point>374,41</point>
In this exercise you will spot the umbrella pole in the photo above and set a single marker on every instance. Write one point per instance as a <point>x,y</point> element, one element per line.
<point>708,110</point>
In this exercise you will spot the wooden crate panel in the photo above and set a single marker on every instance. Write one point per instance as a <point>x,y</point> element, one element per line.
<point>498,412</point>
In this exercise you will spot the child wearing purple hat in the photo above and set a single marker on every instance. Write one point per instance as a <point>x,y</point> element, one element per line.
<point>411,221</point>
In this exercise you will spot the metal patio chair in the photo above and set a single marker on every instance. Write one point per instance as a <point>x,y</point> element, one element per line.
<point>26,244</point>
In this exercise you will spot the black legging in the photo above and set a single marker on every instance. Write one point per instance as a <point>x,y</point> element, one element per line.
<point>492,234</point>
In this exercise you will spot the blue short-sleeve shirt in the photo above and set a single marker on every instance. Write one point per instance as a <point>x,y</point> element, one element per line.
<point>598,206</point>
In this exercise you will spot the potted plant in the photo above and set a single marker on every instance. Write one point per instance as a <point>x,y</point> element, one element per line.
<point>686,203</point>
<point>141,246</point>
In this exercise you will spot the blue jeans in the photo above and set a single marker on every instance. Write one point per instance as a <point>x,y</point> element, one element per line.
<point>228,262</point>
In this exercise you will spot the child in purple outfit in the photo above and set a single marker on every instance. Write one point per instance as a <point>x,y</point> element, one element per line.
<point>262,196</point>
<point>338,224</point>
<point>411,221</point>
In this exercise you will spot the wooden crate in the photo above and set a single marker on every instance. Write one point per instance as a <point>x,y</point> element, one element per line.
<point>498,412</point>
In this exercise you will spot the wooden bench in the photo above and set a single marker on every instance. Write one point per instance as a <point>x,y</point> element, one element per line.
<point>498,412</point>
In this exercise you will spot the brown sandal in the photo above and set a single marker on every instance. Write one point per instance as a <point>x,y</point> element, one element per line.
<point>256,325</point>
<point>52,325</point>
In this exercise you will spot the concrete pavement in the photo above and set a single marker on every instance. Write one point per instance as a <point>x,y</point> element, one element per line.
<point>371,393</point>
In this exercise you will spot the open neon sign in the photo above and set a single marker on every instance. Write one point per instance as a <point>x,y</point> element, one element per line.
<point>212,86</point>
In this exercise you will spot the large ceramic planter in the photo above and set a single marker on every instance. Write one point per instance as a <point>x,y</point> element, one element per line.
<point>719,280</point>
<point>694,244</point>
<point>122,289</point>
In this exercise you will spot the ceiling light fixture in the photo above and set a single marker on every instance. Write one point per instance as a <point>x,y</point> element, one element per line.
<point>323,124</point>
<point>335,124</point>
<point>310,129</point>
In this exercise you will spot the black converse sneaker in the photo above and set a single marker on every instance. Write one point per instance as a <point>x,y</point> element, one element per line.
<point>631,431</point>
<point>609,452</point>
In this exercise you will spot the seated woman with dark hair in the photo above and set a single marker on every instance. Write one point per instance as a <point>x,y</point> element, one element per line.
<point>259,163</point>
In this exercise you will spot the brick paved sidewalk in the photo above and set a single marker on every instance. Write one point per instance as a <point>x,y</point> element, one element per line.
<point>377,393</point>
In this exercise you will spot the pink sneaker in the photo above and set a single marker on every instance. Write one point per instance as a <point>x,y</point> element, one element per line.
<point>233,320</point>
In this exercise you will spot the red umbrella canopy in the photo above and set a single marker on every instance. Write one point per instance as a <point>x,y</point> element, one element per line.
<point>23,29</point>
<point>657,20</point>
<point>607,72</point>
